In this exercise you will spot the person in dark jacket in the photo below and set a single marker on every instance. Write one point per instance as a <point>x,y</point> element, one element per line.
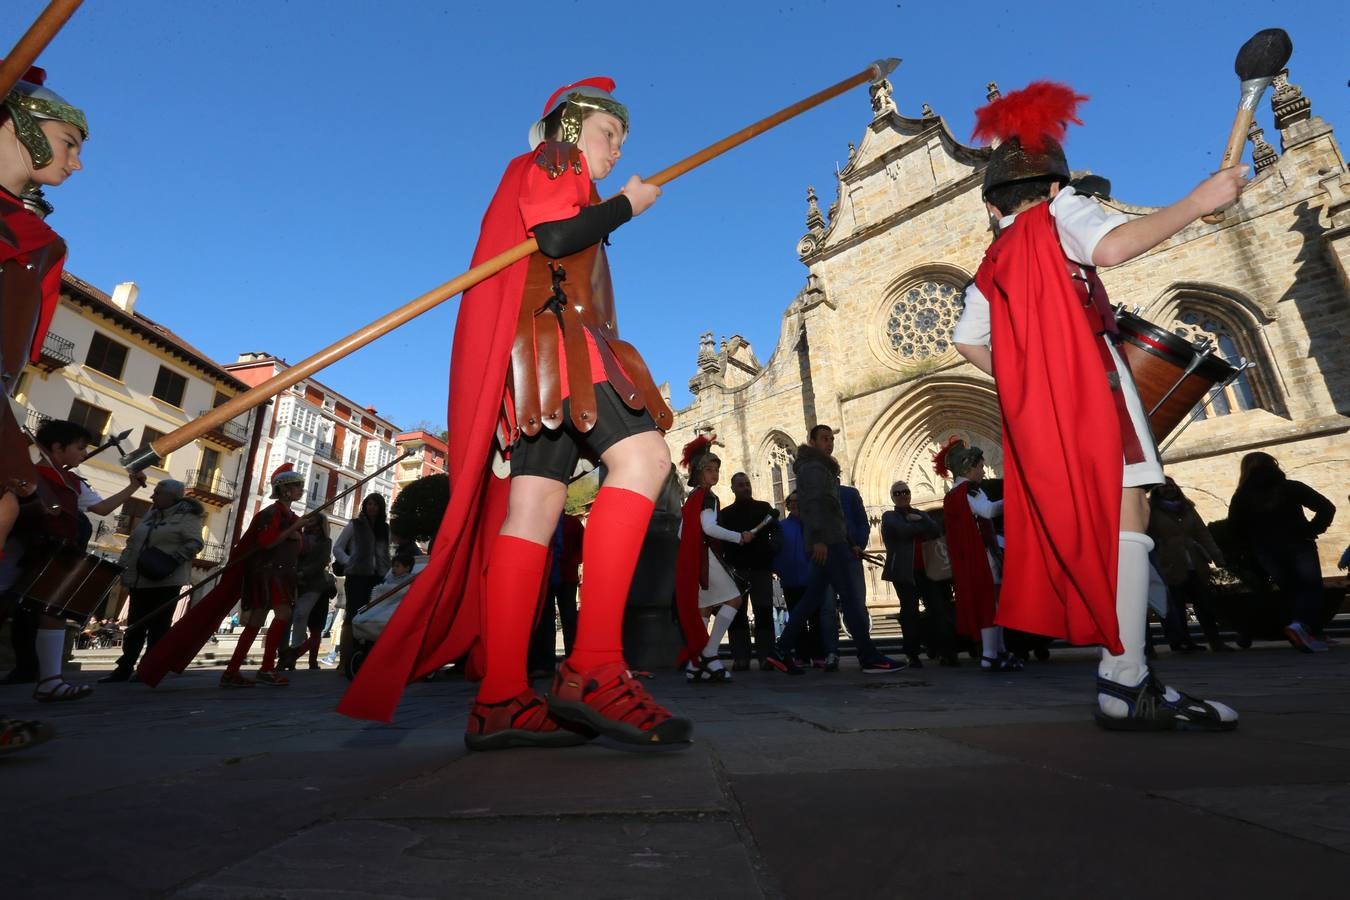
<point>903,530</point>
<point>792,565</point>
<point>752,564</point>
<point>827,537</point>
<point>1267,513</point>
<point>1183,550</point>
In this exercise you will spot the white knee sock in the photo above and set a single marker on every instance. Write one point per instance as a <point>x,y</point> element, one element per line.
<point>1128,667</point>
<point>991,639</point>
<point>721,622</point>
<point>50,644</point>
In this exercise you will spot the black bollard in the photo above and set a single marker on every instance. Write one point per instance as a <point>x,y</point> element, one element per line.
<point>651,637</point>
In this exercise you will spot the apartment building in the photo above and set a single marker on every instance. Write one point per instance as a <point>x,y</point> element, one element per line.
<point>330,439</point>
<point>113,369</point>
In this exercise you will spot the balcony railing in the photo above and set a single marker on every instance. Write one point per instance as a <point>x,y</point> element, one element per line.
<point>231,434</point>
<point>213,553</point>
<point>328,452</point>
<point>33,421</point>
<point>56,353</point>
<point>209,487</point>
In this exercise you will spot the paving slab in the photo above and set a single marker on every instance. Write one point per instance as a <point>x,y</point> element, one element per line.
<point>599,858</point>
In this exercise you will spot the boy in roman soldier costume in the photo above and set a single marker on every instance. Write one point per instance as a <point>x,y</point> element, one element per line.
<point>702,582</point>
<point>540,376</point>
<point>977,559</point>
<point>261,583</point>
<point>1077,449</point>
<point>40,140</point>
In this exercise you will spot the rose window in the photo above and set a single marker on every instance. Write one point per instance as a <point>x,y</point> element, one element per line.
<point>921,321</point>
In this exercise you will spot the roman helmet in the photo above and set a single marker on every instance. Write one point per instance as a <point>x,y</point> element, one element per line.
<point>28,102</point>
<point>578,97</point>
<point>697,454</point>
<point>1028,127</point>
<point>285,476</point>
<point>956,458</point>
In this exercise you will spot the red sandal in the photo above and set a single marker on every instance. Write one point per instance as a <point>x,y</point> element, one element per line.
<point>612,703</point>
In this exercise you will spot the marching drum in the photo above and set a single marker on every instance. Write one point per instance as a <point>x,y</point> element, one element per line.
<point>67,583</point>
<point>1171,373</point>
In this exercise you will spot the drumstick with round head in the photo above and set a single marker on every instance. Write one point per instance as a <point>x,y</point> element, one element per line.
<point>1258,62</point>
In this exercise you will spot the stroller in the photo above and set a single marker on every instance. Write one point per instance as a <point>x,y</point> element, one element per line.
<point>369,621</point>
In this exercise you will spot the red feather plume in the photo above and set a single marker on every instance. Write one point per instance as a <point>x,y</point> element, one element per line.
<point>35,75</point>
<point>695,448</point>
<point>940,458</point>
<point>1042,110</point>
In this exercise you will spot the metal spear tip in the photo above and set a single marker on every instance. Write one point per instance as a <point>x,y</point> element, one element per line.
<point>118,438</point>
<point>141,459</point>
<point>883,67</point>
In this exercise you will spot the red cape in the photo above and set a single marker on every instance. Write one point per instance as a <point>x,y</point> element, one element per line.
<point>1062,454</point>
<point>21,234</point>
<point>180,645</point>
<point>691,573</point>
<point>439,621</point>
<point>974,582</point>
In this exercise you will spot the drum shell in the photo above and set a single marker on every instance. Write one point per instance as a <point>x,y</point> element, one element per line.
<point>1158,359</point>
<point>67,583</point>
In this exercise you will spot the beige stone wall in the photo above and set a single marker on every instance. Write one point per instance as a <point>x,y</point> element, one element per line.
<point>909,211</point>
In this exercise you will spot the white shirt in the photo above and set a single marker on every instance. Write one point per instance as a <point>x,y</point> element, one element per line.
<point>88,496</point>
<point>980,504</point>
<point>1081,224</point>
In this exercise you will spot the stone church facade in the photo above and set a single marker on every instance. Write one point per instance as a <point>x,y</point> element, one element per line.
<point>866,345</point>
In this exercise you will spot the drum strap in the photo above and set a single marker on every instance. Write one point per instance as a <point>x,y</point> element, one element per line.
<point>1102,320</point>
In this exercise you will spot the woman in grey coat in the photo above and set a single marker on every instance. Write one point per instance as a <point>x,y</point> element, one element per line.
<point>156,563</point>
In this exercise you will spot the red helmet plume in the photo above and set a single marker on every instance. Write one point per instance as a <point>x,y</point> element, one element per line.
<point>940,458</point>
<point>696,448</point>
<point>1039,112</point>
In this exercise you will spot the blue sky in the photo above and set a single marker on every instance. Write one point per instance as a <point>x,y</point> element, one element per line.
<point>276,174</point>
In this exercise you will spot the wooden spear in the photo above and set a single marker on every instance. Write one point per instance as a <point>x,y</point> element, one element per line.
<point>34,41</point>
<point>240,403</point>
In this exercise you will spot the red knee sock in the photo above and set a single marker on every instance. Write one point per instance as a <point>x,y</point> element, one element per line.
<point>241,649</point>
<point>278,630</point>
<point>515,575</point>
<point>614,534</point>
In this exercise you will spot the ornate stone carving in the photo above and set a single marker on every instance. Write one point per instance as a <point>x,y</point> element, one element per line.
<point>1288,102</point>
<point>707,353</point>
<point>1263,155</point>
<point>928,112</point>
<point>882,102</point>
<point>815,222</point>
<point>991,92</point>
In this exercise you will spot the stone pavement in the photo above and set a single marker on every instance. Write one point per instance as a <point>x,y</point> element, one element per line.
<point>940,783</point>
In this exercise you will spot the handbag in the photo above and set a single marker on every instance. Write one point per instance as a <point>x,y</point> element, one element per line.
<point>937,564</point>
<point>155,564</point>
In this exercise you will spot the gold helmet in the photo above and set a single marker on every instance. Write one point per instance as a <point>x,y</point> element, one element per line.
<point>28,103</point>
<point>588,94</point>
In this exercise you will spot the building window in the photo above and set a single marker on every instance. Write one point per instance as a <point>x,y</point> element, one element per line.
<point>106,355</point>
<point>91,417</point>
<point>919,322</point>
<point>1241,394</point>
<point>148,437</point>
<point>782,477</point>
<point>170,387</point>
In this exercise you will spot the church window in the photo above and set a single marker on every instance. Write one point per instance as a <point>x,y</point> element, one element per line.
<point>782,477</point>
<point>920,321</point>
<point>1242,394</point>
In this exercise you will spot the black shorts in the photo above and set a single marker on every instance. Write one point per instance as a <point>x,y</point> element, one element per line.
<point>554,452</point>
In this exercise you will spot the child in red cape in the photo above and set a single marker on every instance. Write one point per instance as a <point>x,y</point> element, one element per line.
<point>539,376</point>
<point>1078,453</point>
